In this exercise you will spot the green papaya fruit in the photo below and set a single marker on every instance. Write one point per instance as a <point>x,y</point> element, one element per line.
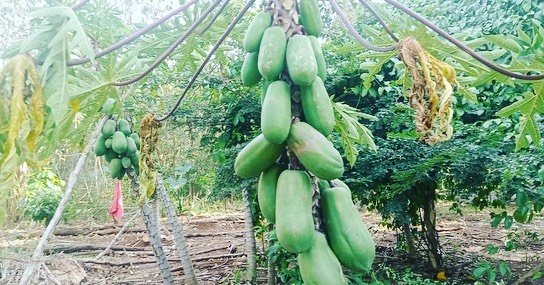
<point>340,183</point>
<point>107,107</point>
<point>276,112</point>
<point>255,31</point>
<point>121,173</point>
<point>323,184</point>
<point>348,235</point>
<point>317,107</point>
<point>300,59</point>
<point>119,142</point>
<point>310,17</point>
<point>126,162</point>
<point>294,221</point>
<point>256,156</point>
<point>100,146</point>
<point>272,53</point>
<point>110,154</point>
<point>131,146</point>
<point>250,69</point>
<point>115,167</point>
<point>319,265</point>
<point>109,128</point>
<point>265,85</point>
<point>135,159</point>
<point>136,139</point>
<point>107,143</point>
<point>315,152</point>
<point>124,126</point>
<point>319,58</point>
<point>266,192</point>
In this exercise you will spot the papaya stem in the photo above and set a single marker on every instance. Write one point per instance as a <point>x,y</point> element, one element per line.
<point>286,16</point>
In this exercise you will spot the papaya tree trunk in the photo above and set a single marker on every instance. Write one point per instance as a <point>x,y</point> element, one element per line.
<point>316,206</point>
<point>250,239</point>
<point>179,238</point>
<point>151,221</point>
<point>38,252</point>
<point>429,230</point>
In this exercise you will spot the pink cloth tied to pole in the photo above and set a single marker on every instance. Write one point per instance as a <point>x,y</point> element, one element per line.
<point>116,209</point>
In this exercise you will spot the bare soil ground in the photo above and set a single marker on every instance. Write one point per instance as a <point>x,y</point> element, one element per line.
<point>216,244</point>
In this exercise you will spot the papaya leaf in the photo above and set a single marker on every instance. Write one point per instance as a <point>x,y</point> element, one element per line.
<point>529,106</point>
<point>505,42</point>
<point>58,34</point>
<point>351,131</point>
<point>374,65</point>
<point>21,124</point>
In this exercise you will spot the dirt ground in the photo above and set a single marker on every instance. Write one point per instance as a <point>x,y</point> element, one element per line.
<point>216,244</point>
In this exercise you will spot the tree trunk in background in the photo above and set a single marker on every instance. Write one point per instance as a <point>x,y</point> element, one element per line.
<point>250,239</point>
<point>409,238</point>
<point>429,229</point>
<point>151,220</point>
<point>38,252</point>
<point>179,238</point>
<point>271,265</point>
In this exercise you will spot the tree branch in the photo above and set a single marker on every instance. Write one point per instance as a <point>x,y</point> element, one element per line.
<point>80,4</point>
<point>209,24</point>
<point>377,16</point>
<point>134,35</point>
<point>215,47</point>
<point>116,238</point>
<point>354,33</point>
<point>171,48</point>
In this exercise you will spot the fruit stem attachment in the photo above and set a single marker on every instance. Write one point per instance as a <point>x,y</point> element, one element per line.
<point>294,163</point>
<point>283,12</point>
<point>316,205</point>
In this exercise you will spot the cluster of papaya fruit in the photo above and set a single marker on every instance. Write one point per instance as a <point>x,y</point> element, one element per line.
<point>293,156</point>
<point>119,145</point>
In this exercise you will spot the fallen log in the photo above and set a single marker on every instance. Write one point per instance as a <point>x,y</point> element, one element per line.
<point>89,247</point>
<point>147,261</point>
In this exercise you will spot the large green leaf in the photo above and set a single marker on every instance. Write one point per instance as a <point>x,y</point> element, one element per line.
<point>531,105</point>
<point>505,42</point>
<point>351,131</point>
<point>58,35</point>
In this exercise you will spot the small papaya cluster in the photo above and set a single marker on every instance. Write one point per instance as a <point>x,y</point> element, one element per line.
<point>119,146</point>
<point>297,116</point>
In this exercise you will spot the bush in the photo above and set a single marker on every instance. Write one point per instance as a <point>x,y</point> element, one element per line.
<point>43,194</point>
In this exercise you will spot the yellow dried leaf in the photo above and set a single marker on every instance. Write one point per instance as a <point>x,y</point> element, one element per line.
<point>431,95</point>
<point>21,124</point>
<point>149,136</point>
